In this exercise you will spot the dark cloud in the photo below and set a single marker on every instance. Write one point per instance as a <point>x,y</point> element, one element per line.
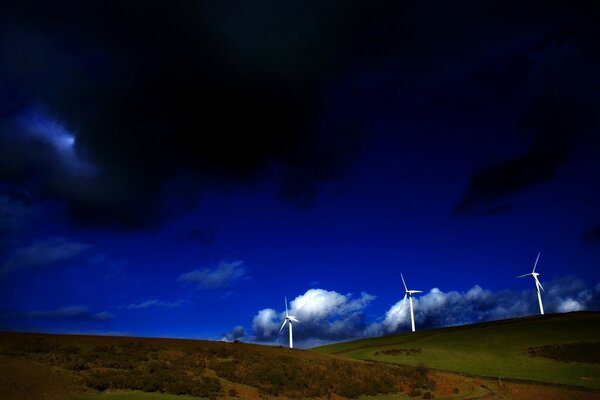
<point>128,112</point>
<point>148,95</point>
<point>204,236</point>
<point>43,253</point>
<point>592,235</point>
<point>72,313</point>
<point>222,276</point>
<point>558,108</point>
<point>17,208</point>
<point>155,303</point>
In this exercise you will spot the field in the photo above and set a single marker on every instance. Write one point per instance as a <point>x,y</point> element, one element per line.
<point>555,349</point>
<point>554,357</point>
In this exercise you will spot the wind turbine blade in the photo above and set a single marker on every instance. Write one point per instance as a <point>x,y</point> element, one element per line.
<point>537,282</point>
<point>523,276</point>
<point>536,261</point>
<point>292,318</point>
<point>282,325</point>
<point>405,288</point>
<point>402,305</point>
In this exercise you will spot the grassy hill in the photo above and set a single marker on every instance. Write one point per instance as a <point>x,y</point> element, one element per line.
<point>554,349</point>
<point>557,348</point>
<point>42,366</point>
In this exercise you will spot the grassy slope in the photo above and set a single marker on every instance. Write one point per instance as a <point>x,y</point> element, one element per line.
<point>34,365</point>
<point>496,349</point>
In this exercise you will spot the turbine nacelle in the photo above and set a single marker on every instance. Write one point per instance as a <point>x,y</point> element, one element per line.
<point>288,320</point>
<point>538,285</point>
<point>409,293</point>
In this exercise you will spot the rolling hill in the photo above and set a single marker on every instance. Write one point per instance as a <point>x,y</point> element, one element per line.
<point>551,357</point>
<point>45,366</point>
<point>554,349</point>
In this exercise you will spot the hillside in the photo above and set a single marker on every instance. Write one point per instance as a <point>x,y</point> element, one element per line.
<point>42,366</point>
<point>557,348</point>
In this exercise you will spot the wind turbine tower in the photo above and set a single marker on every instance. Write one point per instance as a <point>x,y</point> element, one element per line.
<point>288,320</point>
<point>538,285</point>
<point>409,294</point>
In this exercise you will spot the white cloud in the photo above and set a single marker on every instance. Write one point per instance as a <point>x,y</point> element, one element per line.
<point>222,276</point>
<point>266,324</point>
<point>320,303</point>
<point>569,305</point>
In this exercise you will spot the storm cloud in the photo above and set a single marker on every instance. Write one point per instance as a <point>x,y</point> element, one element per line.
<point>557,110</point>
<point>122,112</point>
<point>128,112</point>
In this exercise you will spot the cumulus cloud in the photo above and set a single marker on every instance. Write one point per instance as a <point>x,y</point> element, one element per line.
<point>328,316</point>
<point>73,313</point>
<point>222,276</point>
<point>323,315</point>
<point>45,252</point>
<point>266,324</point>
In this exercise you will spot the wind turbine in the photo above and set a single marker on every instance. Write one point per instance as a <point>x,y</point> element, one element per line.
<point>409,294</point>
<point>538,285</point>
<point>288,319</point>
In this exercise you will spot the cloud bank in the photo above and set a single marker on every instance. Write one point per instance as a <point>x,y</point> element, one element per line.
<point>328,316</point>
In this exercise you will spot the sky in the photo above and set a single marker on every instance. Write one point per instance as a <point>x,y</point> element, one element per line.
<point>177,170</point>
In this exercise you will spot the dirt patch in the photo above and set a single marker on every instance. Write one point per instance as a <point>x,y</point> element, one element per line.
<point>398,351</point>
<point>456,386</point>
<point>579,352</point>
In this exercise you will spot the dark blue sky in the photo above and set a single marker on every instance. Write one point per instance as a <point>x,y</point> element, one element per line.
<point>178,170</point>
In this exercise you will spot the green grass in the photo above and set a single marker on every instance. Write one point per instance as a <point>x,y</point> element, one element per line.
<point>135,395</point>
<point>496,349</point>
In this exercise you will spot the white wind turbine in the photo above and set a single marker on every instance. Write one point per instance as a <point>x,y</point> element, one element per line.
<point>538,285</point>
<point>288,319</point>
<point>409,294</point>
